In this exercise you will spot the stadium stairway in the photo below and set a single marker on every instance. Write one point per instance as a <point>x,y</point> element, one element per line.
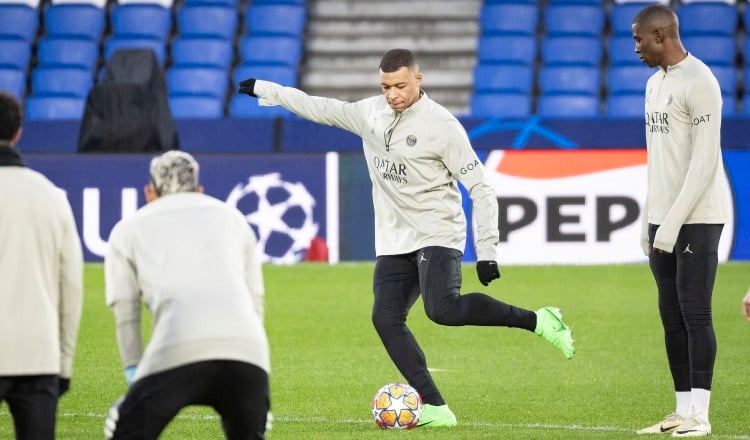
<point>346,39</point>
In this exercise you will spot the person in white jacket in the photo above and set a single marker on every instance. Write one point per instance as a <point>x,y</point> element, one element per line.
<point>416,153</point>
<point>41,287</point>
<point>686,209</point>
<point>193,260</point>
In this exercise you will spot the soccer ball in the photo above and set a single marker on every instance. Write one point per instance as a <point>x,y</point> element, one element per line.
<point>397,406</point>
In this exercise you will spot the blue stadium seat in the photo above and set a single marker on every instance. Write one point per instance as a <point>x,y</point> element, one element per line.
<point>206,81</point>
<point>727,77</point>
<point>705,18</point>
<point>286,19</point>
<point>141,20</point>
<point>231,3</point>
<point>196,107</point>
<point>59,52</point>
<point>574,19</point>
<point>621,50</point>
<point>18,21</point>
<point>68,20</point>
<point>625,105</point>
<point>15,54</point>
<point>514,78</point>
<point>621,17</point>
<point>520,49</point>
<point>270,49</point>
<point>628,79</point>
<point>569,79</point>
<point>207,21</point>
<point>712,49</point>
<point>578,50</point>
<point>509,18</point>
<point>67,81</point>
<point>502,105</point>
<point>243,106</point>
<point>284,75</point>
<point>13,81</point>
<point>568,106</point>
<point>746,104</point>
<point>43,107</point>
<point>206,52</point>
<point>113,44</point>
<point>729,105</point>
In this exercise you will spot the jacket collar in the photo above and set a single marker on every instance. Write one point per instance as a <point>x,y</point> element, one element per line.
<point>9,156</point>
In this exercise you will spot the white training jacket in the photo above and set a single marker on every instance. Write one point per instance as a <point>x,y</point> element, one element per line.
<point>194,261</point>
<point>686,177</point>
<point>414,160</point>
<point>41,274</point>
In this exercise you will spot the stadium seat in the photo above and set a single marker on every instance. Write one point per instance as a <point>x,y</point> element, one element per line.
<point>746,104</point>
<point>501,105</point>
<point>68,81</point>
<point>64,52</point>
<point>243,106</point>
<point>621,50</point>
<point>574,19</point>
<point>270,49</point>
<point>15,54</point>
<point>196,107</point>
<point>514,78</point>
<point>729,105</point>
<point>13,81</point>
<point>520,49</point>
<point>712,49</point>
<point>568,106</point>
<point>727,77</point>
<point>572,50</point>
<point>569,79</point>
<point>621,17</point>
<point>625,105</point>
<point>141,20</point>
<point>44,107</point>
<point>113,44</point>
<point>628,79</point>
<point>205,52</point>
<point>68,20</point>
<point>707,18</point>
<point>231,3</point>
<point>18,21</point>
<point>284,75</point>
<point>207,21</point>
<point>286,19</point>
<point>206,81</point>
<point>509,18</point>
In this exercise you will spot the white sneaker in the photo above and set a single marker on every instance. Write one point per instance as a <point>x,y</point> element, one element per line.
<point>670,423</point>
<point>693,427</point>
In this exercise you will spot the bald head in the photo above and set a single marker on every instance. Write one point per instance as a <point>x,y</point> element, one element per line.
<point>656,32</point>
<point>659,17</point>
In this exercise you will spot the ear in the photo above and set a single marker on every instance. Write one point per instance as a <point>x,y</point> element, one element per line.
<point>149,193</point>
<point>17,136</point>
<point>199,189</point>
<point>658,35</point>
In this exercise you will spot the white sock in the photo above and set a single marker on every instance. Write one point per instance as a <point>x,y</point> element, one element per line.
<point>683,404</point>
<point>699,400</point>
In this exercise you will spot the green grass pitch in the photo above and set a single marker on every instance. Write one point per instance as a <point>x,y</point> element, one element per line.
<point>502,383</point>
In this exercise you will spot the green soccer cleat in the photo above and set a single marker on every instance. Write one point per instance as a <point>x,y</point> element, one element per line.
<point>435,416</point>
<point>550,326</point>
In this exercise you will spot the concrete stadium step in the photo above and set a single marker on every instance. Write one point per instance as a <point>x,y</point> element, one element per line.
<point>419,9</point>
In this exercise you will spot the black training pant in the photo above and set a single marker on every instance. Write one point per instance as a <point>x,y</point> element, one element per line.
<point>238,391</point>
<point>436,273</point>
<point>32,401</point>
<point>685,281</point>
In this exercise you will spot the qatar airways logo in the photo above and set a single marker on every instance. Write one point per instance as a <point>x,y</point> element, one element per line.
<point>389,170</point>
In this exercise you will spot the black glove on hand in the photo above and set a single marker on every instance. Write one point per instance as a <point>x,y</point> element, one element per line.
<point>63,385</point>
<point>487,271</point>
<point>248,86</point>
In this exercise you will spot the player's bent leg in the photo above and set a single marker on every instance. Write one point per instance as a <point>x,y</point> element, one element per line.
<point>666,426</point>
<point>240,394</point>
<point>434,416</point>
<point>551,327</point>
<point>32,402</point>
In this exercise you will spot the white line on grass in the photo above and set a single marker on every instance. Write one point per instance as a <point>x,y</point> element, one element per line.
<point>368,421</point>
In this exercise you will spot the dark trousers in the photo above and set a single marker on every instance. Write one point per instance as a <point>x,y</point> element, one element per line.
<point>685,281</point>
<point>436,273</point>
<point>32,401</point>
<point>238,391</point>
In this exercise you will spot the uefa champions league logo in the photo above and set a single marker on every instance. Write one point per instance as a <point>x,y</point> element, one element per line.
<point>280,212</point>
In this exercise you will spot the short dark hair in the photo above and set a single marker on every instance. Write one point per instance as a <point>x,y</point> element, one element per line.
<point>11,116</point>
<point>395,59</point>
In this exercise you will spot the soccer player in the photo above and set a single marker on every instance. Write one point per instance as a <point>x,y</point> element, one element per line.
<point>193,260</point>
<point>416,151</point>
<point>41,287</point>
<point>686,208</point>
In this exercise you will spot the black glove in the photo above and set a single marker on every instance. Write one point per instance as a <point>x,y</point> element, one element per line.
<point>487,271</point>
<point>248,86</point>
<point>63,385</point>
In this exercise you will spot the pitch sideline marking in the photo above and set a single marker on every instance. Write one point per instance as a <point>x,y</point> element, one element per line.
<point>368,421</point>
